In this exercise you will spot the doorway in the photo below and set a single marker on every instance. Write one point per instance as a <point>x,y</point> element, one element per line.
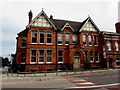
<point>76,64</point>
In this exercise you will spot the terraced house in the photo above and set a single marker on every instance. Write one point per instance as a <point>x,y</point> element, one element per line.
<point>51,44</point>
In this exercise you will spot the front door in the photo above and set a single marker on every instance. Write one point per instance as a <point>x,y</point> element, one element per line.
<point>76,60</point>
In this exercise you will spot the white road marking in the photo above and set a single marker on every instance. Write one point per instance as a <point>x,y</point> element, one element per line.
<point>96,86</point>
<point>85,83</point>
<point>80,80</point>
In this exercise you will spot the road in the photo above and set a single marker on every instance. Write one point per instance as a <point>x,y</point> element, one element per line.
<point>107,79</point>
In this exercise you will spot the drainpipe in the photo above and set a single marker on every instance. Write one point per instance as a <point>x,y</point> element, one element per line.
<point>56,51</point>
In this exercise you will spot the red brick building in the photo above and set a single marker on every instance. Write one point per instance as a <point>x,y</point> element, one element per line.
<point>50,44</point>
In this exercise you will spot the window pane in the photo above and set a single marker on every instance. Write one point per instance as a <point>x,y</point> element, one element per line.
<point>33,55</point>
<point>74,38</point>
<point>41,56</point>
<point>41,37</point>
<point>23,57</point>
<point>49,55</point>
<point>95,40</point>
<point>90,39</point>
<point>34,37</point>
<point>109,46</point>
<point>60,56</point>
<point>84,39</point>
<point>59,38</point>
<point>116,46</point>
<point>49,37</point>
<point>67,36</point>
<point>91,55</point>
<point>23,41</point>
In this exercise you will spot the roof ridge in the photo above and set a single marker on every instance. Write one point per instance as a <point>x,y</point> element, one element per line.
<point>66,20</point>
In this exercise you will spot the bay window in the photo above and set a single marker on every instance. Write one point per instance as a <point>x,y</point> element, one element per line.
<point>67,36</point>
<point>74,38</point>
<point>84,39</point>
<point>90,39</point>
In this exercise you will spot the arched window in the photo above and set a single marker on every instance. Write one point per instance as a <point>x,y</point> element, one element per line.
<point>116,46</point>
<point>109,45</point>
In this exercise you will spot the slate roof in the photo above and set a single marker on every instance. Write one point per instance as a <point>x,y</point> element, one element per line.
<point>59,24</point>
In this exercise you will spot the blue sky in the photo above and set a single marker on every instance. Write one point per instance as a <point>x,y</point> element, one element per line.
<point>14,16</point>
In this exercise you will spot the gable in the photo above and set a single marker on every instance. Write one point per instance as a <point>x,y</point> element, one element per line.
<point>89,25</point>
<point>41,21</point>
<point>67,25</point>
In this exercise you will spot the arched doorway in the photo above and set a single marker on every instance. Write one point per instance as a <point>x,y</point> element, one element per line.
<point>76,64</point>
<point>111,65</point>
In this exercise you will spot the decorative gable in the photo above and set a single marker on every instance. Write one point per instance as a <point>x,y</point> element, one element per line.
<point>89,25</point>
<point>67,25</point>
<point>41,20</point>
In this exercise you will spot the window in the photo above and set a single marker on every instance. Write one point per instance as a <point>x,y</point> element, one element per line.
<point>118,61</point>
<point>41,56</point>
<point>67,36</point>
<point>96,56</point>
<point>91,56</point>
<point>116,46</point>
<point>49,37</point>
<point>34,37</point>
<point>49,56</point>
<point>90,39</point>
<point>41,37</point>
<point>60,56</point>
<point>23,57</point>
<point>95,40</point>
<point>33,56</point>
<point>86,54</point>
<point>59,38</point>
<point>84,39</point>
<point>23,41</point>
<point>109,45</point>
<point>74,38</point>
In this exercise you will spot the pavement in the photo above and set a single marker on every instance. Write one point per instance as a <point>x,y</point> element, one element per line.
<point>61,80</point>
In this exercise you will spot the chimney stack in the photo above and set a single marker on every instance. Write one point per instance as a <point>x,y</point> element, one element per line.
<point>117,25</point>
<point>30,14</point>
<point>51,17</point>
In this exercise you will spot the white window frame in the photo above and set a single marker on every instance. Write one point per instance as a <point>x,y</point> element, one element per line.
<point>60,39</point>
<point>67,39</point>
<point>97,56</point>
<point>32,37</point>
<point>90,40</point>
<point>108,46</point>
<point>92,56</point>
<point>117,61</point>
<point>40,56</point>
<point>43,37</point>
<point>84,39</point>
<point>74,38</point>
<point>31,57</point>
<point>49,37</point>
<point>24,38</point>
<point>49,56</point>
<point>116,46</point>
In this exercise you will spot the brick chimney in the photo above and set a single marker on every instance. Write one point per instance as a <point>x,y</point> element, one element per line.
<point>30,14</point>
<point>117,25</point>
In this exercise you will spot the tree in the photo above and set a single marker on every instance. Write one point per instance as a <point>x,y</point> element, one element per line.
<point>87,64</point>
<point>5,61</point>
